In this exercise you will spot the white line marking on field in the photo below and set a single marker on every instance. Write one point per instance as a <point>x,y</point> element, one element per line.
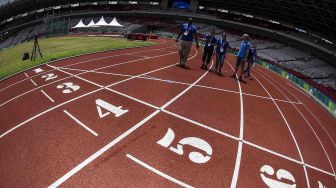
<point>158,172</point>
<point>124,135</point>
<point>32,90</point>
<point>50,109</point>
<point>305,119</point>
<point>117,55</point>
<point>80,123</point>
<point>211,129</point>
<point>26,74</point>
<point>289,128</point>
<point>79,74</point>
<point>101,151</point>
<point>33,82</point>
<point>320,124</point>
<point>52,100</point>
<point>241,136</point>
<point>298,89</point>
<point>200,124</point>
<point>11,85</point>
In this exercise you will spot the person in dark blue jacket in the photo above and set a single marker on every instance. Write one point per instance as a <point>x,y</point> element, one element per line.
<point>251,60</point>
<point>188,34</point>
<point>208,50</point>
<point>221,47</point>
<point>242,55</point>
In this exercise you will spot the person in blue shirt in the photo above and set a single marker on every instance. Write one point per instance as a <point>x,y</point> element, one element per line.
<point>208,50</point>
<point>187,34</point>
<point>252,59</point>
<point>221,47</point>
<point>242,55</point>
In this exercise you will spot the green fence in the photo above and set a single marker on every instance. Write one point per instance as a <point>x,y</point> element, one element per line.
<point>56,26</point>
<point>326,101</point>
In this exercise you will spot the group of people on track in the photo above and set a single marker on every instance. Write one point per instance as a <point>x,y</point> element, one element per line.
<point>218,48</point>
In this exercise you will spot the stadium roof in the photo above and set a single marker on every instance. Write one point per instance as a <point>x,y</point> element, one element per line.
<point>317,17</point>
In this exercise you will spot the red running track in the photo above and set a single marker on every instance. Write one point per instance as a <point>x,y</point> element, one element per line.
<point>132,117</point>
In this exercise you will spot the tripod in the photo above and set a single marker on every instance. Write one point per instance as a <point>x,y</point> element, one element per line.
<point>36,49</point>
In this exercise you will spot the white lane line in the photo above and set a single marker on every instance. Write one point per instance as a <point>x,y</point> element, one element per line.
<point>207,127</point>
<point>80,123</point>
<point>320,124</point>
<point>107,57</point>
<point>158,172</point>
<point>307,122</point>
<point>38,115</point>
<point>101,151</point>
<point>333,142</point>
<point>68,65</point>
<point>23,80</point>
<point>26,74</point>
<point>50,109</point>
<point>121,137</point>
<point>290,130</point>
<point>298,89</point>
<point>33,82</point>
<point>176,82</point>
<point>76,74</point>
<point>52,100</point>
<point>22,94</point>
<point>200,124</point>
<point>241,137</point>
<point>211,129</point>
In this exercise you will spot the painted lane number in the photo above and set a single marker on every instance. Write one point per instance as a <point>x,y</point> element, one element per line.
<point>117,111</point>
<point>195,142</point>
<point>283,179</point>
<point>50,76</point>
<point>38,70</point>
<point>68,87</point>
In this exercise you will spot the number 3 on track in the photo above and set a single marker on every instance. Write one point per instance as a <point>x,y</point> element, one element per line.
<point>195,142</point>
<point>68,87</point>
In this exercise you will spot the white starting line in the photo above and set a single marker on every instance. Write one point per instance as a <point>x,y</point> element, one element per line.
<point>80,123</point>
<point>158,172</point>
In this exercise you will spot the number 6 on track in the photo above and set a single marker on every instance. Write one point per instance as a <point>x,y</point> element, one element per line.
<point>195,142</point>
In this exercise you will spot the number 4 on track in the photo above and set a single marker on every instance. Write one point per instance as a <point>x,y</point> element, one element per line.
<point>117,111</point>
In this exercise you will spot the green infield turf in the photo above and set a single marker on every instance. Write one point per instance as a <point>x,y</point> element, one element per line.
<point>59,47</point>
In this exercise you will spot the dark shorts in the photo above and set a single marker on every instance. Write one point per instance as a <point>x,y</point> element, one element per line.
<point>240,62</point>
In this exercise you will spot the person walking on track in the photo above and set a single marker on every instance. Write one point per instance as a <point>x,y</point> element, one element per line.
<point>242,56</point>
<point>251,60</point>
<point>188,32</point>
<point>221,47</point>
<point>208,50</point>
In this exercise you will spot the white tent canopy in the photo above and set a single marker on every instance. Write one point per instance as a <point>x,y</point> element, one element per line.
<point>115,23</point>
<point>79,25</point>
<point>92,24</point>
<point>102,22</point>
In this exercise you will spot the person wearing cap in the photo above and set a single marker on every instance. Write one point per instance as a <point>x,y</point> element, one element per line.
<point>242,56</point>
<point>188,34</point>
<point>208,50</point>
<point>251,61</point>
<point>221,47</point>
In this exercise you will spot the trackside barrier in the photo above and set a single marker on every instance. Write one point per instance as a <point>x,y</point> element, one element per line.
<point>328,103</point>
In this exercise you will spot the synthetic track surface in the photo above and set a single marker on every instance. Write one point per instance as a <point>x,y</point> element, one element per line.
<point>132,117</point>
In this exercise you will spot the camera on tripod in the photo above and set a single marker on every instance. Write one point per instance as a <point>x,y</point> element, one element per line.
<point>36,48</point>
